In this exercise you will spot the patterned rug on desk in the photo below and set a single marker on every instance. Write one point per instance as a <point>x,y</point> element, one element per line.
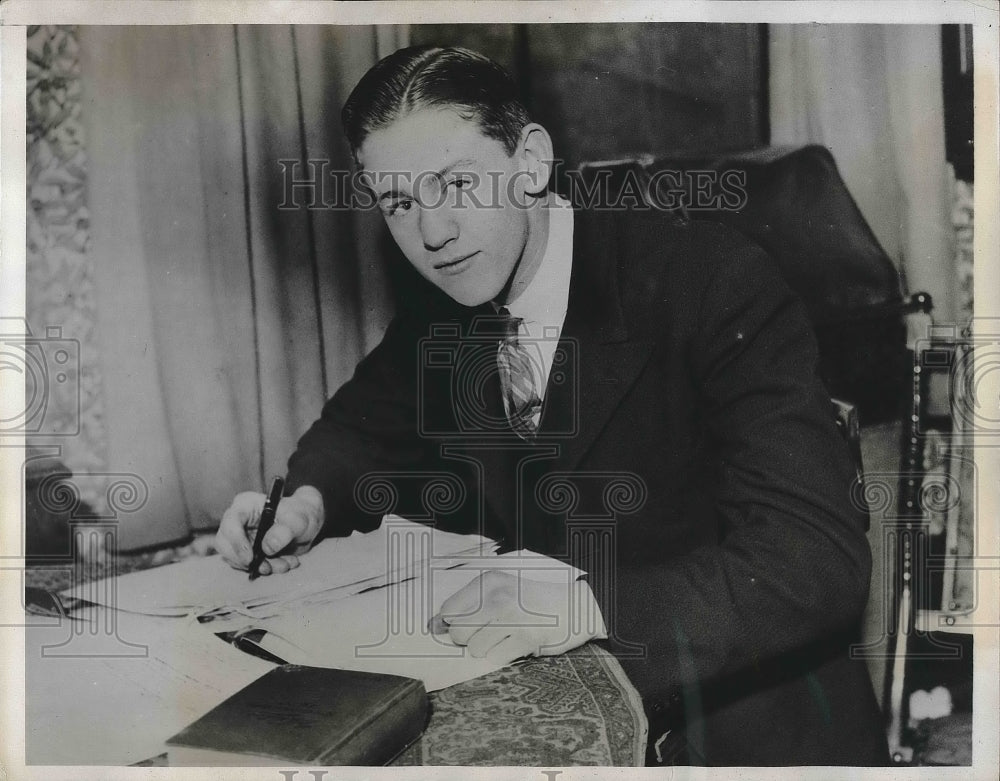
<point>558,711</point>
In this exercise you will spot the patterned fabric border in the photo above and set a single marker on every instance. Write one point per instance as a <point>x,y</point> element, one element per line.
<point>60,288</point>
<point>963,221</point>
<point>559,711</point>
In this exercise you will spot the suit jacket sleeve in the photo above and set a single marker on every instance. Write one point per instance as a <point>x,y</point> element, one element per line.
<point>792,562</point>
<point>369,425</point>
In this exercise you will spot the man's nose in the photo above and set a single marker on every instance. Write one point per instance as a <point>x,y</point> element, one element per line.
<point>437,227</point>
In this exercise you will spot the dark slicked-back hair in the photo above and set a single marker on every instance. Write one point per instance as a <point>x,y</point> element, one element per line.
<point>434,76</point>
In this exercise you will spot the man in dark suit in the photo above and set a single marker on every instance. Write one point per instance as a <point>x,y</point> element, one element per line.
<point>631,393</point>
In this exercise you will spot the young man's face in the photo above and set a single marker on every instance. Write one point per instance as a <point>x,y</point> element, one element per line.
<point>453,199</point>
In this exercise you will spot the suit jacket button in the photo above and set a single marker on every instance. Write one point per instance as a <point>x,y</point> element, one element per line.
<point>656,707</point>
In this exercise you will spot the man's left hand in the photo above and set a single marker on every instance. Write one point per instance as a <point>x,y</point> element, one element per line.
<point>502,616</point>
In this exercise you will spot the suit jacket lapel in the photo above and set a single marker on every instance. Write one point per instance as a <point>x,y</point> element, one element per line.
<point>493,448</point>
<point>600,361</point>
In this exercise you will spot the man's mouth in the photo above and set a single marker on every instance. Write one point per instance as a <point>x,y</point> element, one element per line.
<point>456,266</point>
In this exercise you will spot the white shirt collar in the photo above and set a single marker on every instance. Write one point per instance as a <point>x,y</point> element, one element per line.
<point>545,300</point>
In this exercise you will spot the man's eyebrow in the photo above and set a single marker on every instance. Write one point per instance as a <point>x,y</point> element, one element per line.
<point>439,174</point>
<point>391,194</point>
<point>452,166</point>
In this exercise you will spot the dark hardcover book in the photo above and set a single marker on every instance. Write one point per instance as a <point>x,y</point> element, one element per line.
<point>307,716</point>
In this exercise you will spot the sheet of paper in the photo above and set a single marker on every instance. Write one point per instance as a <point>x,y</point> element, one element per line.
<point>110,688</point>
<point>113,686</point>
<point>208,583</point>
<point>387,630</point>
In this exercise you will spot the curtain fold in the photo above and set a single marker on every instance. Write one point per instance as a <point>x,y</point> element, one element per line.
<point>873,95</point>
<point>224,320</point>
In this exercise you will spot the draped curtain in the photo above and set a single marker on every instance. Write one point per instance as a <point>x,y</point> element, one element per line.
<point>873,95</point>
<point>225,318</point>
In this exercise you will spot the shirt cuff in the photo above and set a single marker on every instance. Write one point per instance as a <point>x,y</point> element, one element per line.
<point>590,616</point>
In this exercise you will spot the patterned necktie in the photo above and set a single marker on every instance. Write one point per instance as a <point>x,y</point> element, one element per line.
<point>517,380</point>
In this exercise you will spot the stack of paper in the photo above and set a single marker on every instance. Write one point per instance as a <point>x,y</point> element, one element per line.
<point>150,662</point>
<point>388,630</point>
<point>336,567</point>
<point>108,688</point>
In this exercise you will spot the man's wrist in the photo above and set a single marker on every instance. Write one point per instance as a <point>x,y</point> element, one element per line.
<point>312,500</point>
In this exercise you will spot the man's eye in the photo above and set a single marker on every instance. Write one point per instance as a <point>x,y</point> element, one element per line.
<point>399,208</point>
<point>461,182</point>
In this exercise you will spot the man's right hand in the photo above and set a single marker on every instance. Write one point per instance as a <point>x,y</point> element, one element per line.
<point>297,521</point>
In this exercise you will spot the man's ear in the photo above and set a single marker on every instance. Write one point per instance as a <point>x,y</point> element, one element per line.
<point>535,150</point>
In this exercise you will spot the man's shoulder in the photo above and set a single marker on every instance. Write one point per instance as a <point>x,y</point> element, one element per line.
<point>660,259</point>
<point>684,246</point>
